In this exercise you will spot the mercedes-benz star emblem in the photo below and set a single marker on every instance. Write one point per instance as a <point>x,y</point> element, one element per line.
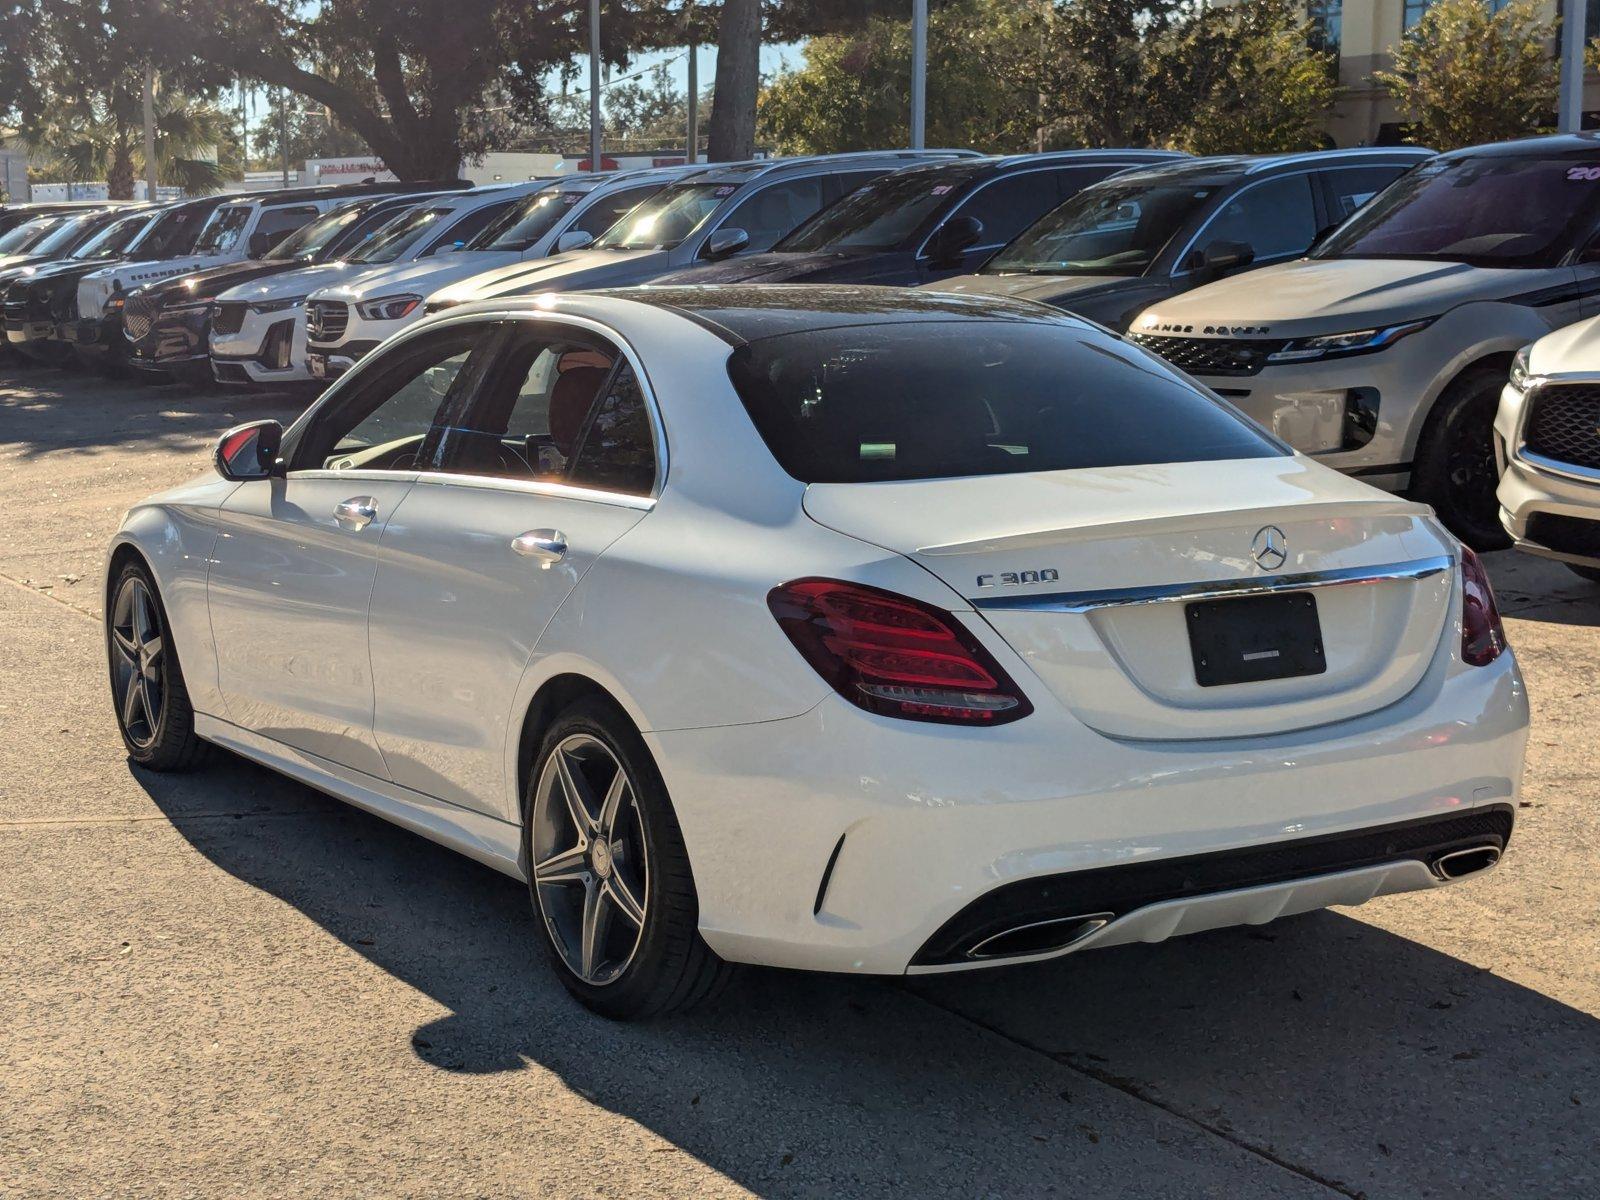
<point>1270,548</point>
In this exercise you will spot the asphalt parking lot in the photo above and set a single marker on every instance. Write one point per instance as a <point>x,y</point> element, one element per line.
<point>226,984</point>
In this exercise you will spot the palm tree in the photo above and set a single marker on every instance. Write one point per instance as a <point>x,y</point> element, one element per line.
<point>100,136</point>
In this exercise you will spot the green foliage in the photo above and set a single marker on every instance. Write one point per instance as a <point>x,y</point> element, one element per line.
<point>1465,75</point>
<point>101,136</point>
<point>984,75</point>
<point>1242,79</point>
<point>1085,73</point>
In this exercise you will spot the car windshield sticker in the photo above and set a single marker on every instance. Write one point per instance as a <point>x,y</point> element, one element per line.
<point>941,189</point>
<point>725,190</point>
<point>1583,174</point>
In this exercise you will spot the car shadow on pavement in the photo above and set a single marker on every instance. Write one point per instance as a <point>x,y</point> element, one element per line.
<point>44,410</point>
<point>1366,1059</point>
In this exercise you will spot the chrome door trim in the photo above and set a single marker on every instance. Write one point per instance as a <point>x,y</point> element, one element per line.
<point>535,487</point>
<point>1172,593</point>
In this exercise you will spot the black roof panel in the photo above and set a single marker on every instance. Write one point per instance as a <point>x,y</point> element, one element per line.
<point>746,313</point>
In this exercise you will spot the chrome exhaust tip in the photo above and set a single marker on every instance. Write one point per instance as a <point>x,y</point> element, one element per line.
<point>1039,937</point>
<point>1458,864</point>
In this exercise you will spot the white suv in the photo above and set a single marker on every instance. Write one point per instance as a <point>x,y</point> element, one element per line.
<point>349,318</point>
<point>1547,442</point>
<point>1383,353</point>
<point>258,329</point>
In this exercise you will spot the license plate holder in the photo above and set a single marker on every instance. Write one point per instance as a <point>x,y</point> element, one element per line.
<point>1252,639</point>
<point>317,364</point>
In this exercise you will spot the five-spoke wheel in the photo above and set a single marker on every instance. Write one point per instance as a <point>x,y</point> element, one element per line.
<point>591,866</point>
<point>136,661</point>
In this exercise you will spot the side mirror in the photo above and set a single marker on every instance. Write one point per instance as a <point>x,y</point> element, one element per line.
<point>249,451</point>
<point>574,239</point>
<point>1322,236</point>
<point>725,242</point>
<point>952,239</point>
<point>1221,257</point>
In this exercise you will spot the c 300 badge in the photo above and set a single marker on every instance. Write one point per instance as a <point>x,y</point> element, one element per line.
<point>1007,578</point>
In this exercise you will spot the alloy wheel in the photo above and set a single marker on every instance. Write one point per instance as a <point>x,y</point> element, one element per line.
<point>137,649</point>
<point>590,864</point>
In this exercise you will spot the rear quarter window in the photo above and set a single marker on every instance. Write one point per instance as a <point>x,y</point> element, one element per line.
<point>938,399</point>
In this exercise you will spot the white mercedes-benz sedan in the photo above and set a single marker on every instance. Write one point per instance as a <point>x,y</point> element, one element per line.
<point>836,628</point>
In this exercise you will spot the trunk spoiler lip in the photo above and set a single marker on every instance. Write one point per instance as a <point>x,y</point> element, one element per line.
<point>1103,530</point>
<point>1170,593</point>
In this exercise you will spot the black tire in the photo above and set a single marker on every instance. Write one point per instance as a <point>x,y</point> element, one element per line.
<point>670,967</point>
<point>1455,468</point>
<point>163,739</point>
<point>1592,574</point>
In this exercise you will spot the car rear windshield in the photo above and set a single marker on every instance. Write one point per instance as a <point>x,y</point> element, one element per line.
<point>668,217</point>
<point>1488,211</point>
<point>882,215</point>
<point>524,223</point>
<point>1108,229</point>
<point>935,399</point>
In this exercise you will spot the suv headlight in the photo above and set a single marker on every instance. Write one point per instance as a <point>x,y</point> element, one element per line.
<point>1336,345</point>
<point>389,308</point>
<point>1519,369</point>
<point>272,306</point>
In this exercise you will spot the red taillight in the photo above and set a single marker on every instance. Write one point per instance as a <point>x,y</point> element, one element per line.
<point>1483,637</point>
<point>893,655</point>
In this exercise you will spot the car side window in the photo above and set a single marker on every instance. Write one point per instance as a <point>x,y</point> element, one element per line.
<point>618,451</point>
<point>392,417</point>
<point>531,410</point>
<point>1351,187</point>
<point>1274,218</point>
<point>278,223</point>
<point>608,210</point>
<point>766,215</point>
<point>468,227</point>
<point>1009,205</point>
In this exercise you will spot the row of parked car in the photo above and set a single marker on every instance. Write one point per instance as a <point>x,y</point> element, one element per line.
<point>1364,305</point>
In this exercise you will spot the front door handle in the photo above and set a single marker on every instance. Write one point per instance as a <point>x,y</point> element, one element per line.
<point>547,546</point>
<point>356,512</point>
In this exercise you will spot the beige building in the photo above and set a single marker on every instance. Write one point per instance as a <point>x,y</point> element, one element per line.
<point>1364,31</point>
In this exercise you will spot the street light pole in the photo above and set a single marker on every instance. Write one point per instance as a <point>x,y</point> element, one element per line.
<point>150,134</point>
<point>594,85</point>
<point>694,100</point>
<point>919,73</point>
<point>1574,18</point>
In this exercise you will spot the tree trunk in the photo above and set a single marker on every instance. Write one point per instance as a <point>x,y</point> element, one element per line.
<point>119,176</point>
<point>732,129</point>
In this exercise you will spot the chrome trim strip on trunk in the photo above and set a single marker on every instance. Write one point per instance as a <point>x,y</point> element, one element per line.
<point>1169,593</point>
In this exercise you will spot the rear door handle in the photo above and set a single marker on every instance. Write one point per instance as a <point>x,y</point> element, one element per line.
<point>356,512</point>
<point>547,546</point>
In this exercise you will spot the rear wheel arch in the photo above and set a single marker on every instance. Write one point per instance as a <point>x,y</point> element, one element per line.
<point>553,697</point>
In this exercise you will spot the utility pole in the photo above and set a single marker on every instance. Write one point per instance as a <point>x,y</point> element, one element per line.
<point>1574,19</point>
<point>594,85</point>
<point>150,134</point>
<point>694,99</point>
<point>919,73</point>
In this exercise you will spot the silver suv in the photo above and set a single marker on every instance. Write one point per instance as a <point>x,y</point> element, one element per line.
<point>1383,353</point>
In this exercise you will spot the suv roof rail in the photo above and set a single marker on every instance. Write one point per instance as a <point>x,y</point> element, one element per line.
<point>1156,156</point>
<point>1265,161</point>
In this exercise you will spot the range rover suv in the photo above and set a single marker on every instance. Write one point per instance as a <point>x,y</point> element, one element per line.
<point>1144,235</point>
<point>1383,353</point>
<point>922,224</point>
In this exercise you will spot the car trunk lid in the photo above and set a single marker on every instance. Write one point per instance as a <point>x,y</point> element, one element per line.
<point>1091,576</point>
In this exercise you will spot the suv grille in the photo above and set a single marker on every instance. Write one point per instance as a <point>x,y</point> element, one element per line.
<point>326,320</point>
<point>139,314</point>
<point>1210,356</point>
<point>227,318</point>
<point>1564,423</point>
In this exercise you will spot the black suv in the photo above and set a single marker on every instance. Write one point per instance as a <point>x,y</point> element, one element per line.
<point>923,223</point>
<point>1121,245</point>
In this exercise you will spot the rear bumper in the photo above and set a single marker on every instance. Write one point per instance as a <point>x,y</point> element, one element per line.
<point>840,841</point>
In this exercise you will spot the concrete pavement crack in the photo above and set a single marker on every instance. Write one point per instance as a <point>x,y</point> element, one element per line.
<point>1132,1089</point>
